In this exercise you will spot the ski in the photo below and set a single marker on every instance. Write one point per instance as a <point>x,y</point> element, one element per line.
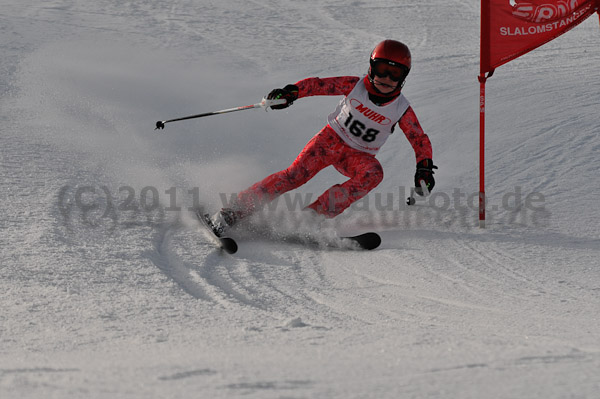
<point>228,244</point>
<point>367,241</point>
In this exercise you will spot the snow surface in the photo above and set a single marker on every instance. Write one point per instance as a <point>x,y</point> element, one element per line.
<point>103,297</point>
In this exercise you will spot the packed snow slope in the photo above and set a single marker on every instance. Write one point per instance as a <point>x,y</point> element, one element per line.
<point>110,290</point>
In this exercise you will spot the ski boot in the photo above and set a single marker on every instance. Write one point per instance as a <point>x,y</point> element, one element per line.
<point>223,220</point>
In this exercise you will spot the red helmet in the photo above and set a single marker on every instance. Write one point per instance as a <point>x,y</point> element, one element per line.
<point>393,53</point>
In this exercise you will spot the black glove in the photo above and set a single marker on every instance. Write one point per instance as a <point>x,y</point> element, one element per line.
<point>289,93</point>
<point>424,172</point>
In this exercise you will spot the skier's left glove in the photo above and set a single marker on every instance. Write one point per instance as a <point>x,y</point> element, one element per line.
<point>424,172</point>
<point>288,93</point>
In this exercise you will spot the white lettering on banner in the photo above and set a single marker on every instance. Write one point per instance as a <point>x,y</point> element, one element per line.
<point>543,12</point>
<point>544,28</point>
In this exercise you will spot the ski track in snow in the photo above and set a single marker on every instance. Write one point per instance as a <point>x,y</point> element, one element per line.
<point>274,281</point>
<point>103,296</point>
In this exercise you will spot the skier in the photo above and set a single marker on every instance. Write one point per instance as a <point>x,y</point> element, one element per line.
<point>356,130</point>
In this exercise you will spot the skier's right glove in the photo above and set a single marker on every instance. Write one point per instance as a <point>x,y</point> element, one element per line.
<point>288,93</point>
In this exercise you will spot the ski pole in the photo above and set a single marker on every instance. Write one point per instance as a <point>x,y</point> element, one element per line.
<point>265,103</point>
<point>411,200</point>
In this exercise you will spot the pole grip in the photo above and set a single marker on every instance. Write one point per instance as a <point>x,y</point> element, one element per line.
<point>266,103</point>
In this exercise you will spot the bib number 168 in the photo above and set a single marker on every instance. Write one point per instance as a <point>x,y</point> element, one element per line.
<point>358,129</point>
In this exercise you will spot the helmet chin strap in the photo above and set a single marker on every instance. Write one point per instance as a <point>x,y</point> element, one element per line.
<point>398,87</point>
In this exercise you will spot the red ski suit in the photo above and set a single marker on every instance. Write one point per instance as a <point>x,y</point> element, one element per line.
<point>327,148</point>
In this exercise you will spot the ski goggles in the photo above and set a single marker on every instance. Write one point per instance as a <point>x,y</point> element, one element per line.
<point>383,69</point>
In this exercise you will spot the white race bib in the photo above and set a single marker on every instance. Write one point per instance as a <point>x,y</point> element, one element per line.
<point>364,125</point>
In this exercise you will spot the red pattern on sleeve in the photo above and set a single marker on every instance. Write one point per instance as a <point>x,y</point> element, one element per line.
<point>416,136</point>
<point>336,86</point>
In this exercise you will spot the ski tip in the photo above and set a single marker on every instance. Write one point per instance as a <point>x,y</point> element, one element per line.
<point>368,241</point>
<point>373,241</point>
<point>229,245</point>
